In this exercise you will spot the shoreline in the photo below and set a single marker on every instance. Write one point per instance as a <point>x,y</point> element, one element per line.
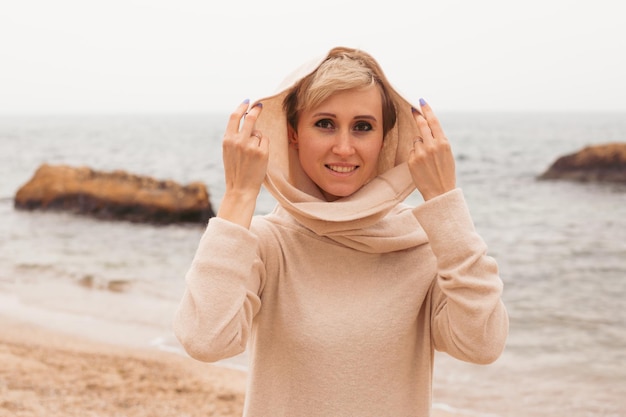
<point>53,373</point>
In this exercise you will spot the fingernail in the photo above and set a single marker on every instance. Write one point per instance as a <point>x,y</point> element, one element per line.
<point>260,104</point>
<point>422,102</point>
<point>246,101</point>
<point>413,109</point>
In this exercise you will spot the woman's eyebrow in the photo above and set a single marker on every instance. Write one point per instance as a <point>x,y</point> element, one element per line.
<point>322,114</point>
<point>363,116</point>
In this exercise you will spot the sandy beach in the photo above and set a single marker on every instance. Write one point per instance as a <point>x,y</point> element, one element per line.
<point>46,373</point>
<point>49,374</point>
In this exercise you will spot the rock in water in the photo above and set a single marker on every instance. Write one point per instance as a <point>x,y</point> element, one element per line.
<point>601,163</point>
<point>115,195</point>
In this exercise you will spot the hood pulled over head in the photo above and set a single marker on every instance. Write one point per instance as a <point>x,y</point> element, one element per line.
<point>298,195</point>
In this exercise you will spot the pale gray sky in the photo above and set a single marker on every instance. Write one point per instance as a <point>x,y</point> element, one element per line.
<point>77,56</point>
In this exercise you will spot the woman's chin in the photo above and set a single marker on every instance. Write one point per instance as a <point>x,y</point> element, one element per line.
<point>334,194</point>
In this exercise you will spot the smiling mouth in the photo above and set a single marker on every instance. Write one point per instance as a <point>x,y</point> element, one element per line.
<point>342,169</point>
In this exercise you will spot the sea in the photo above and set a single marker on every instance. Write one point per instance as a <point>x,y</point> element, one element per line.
<point>560,246</point>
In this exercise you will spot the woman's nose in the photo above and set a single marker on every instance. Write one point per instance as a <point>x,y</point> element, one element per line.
<point>343,145</point>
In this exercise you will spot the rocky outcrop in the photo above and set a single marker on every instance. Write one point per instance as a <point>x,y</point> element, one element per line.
<point>602,163</point>
<point>115,195</point>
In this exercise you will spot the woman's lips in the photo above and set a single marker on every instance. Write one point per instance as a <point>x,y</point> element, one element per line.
<point>342,169</point>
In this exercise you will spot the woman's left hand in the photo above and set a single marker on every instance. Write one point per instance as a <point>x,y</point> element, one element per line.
<point>431,161</point>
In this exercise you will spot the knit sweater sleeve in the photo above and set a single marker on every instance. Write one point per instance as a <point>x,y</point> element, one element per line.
<point>214,317</point>
<point>468,319</point>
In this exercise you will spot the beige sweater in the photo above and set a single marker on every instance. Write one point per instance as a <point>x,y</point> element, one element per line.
<point>344,324</point>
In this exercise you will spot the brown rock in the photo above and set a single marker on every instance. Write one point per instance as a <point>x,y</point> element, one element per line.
<point>114,195</point>
<point>603,163</point>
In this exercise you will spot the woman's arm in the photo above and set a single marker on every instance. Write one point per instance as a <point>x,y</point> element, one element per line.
<point>214,318</point>
<point>468,319</point>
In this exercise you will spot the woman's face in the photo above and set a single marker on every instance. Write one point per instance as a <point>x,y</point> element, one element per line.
<point>339,141</point>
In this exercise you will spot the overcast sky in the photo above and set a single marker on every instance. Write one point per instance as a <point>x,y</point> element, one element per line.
<point>82,56</point>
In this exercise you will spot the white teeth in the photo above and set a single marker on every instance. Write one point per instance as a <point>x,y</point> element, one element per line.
<point>341,169</point>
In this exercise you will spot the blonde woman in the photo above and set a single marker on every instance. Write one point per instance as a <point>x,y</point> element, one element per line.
<point>343,293</point>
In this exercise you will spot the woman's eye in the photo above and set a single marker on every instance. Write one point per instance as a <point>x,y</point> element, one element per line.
<point>324,124</point>
<point>363,127</point>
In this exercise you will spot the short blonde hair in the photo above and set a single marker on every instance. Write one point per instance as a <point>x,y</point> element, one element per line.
<point>344,69</point>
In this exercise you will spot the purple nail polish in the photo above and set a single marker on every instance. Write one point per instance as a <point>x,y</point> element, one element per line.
<point>422,102</point>
<point>246,101</point>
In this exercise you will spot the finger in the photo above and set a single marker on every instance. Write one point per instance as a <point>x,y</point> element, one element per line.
<point>256,135</point>
<point>264,144</point>
<point>248,123</point>
<point>424,132</point>
<point>263,141</point>
<point>418,140</point>
<point>424,129</point>
<point>235,117</point>
<point>433,121</point>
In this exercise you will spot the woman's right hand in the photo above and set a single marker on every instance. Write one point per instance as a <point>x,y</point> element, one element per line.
<point>245,153</point>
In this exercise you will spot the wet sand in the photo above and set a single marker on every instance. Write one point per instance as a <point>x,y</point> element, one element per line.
<point>46,373</point>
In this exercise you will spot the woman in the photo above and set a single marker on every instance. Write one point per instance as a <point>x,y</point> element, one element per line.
<point>343,292</point>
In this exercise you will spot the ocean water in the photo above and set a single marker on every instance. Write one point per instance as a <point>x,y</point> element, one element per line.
<point>561,248</point>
